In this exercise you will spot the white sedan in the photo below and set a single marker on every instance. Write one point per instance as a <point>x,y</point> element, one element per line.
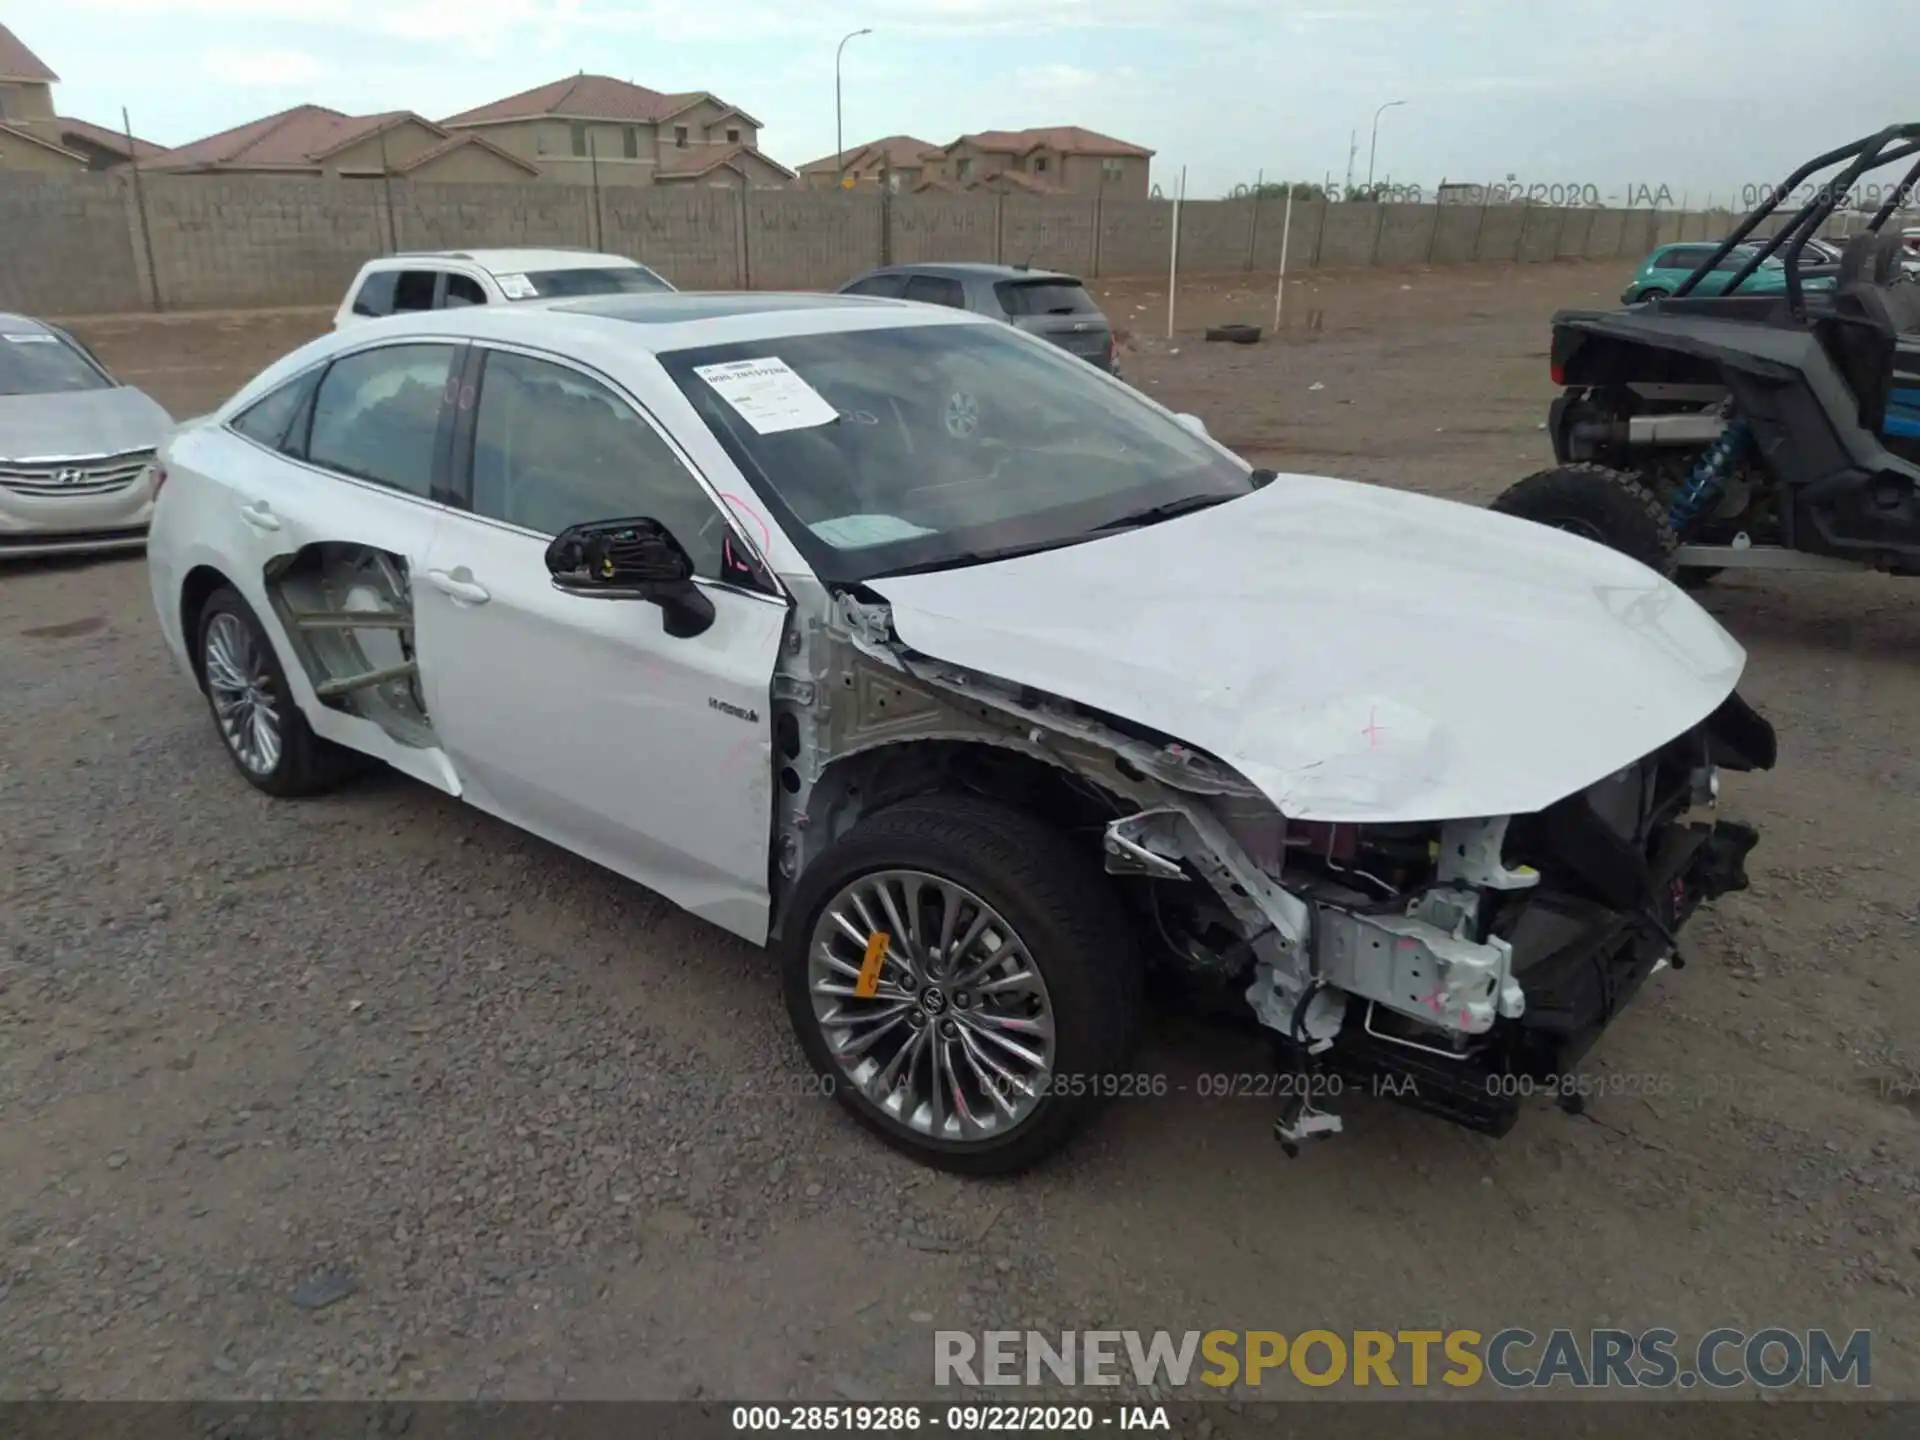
<point>975,682</point>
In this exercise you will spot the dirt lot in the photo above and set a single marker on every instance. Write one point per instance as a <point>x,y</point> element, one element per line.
<point>553,1134</point>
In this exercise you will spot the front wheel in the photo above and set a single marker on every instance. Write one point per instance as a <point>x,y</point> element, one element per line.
<point>964,980</point>
<point>1652,292</point>
<point>1599,504</point>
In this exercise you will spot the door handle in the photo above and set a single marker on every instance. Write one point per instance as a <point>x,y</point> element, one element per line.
<point>260,515</point>
<point>465,590</point>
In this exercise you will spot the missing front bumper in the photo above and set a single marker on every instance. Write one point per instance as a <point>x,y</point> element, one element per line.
<point>1580,965</point>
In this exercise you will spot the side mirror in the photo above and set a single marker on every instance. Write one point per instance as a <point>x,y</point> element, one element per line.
<point>1193,423</point>
<point>631,560</point>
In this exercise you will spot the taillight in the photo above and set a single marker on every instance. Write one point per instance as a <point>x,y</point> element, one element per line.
<point>1559,373</point>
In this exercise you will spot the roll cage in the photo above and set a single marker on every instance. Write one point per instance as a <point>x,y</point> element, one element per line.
<point>1874,152</point>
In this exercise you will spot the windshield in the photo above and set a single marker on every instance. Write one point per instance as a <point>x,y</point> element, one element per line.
<point>934,445</point>
<point>43,364</point>
<point>611,280</point>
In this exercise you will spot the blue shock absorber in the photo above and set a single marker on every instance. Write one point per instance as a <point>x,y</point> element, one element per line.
<point>1701,488</point>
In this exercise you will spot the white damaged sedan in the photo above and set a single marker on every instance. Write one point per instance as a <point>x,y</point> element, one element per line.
<point>976,683</point>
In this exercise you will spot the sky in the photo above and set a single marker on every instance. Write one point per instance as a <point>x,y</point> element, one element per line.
<point>1710,97</point>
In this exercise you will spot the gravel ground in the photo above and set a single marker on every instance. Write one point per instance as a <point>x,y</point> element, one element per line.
<point>371,1095</point>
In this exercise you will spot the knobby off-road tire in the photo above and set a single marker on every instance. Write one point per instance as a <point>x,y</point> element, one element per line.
<point>1597,503</point>
<point>1054,900</point>
<point>265,735</point>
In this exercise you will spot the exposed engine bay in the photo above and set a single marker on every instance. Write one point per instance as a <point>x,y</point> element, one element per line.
<point>1443,956</point>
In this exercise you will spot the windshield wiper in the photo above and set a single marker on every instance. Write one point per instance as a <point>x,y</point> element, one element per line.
<point>1154,514</point>
<point>983,557</point>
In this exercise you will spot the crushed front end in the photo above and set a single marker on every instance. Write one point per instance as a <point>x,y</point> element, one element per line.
<point>1446,960</point>
<point>1443,964</point>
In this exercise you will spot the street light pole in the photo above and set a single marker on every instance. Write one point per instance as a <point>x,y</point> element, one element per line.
<point>1374,148</point>
<point>839,142</point>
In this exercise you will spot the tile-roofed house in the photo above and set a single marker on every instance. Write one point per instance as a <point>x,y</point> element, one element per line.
<point>749,167</point>
<point>316,140</point>
<point>29,133</point>
<point>21,65</point>
<point>1060,159</point>
<point>894,162</point>
<point>593,128</point>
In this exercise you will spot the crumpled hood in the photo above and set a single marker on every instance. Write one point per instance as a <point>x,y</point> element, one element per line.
<point>1358,653</point>
<point>80,424</point>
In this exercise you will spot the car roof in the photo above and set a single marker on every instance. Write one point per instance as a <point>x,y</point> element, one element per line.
<point>513,262</point>
<point>654,322</point>
<point>959,269</point>
<point>11,324</point>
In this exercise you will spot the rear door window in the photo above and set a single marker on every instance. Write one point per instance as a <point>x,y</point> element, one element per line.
<point>937,290</point>
<point>1044,297</point>
<point>413,289</point>
<point>887,287</point>
<point>377,415</point>
<point>464,290</point>
<point>269,421</point>
<point>376,293</point>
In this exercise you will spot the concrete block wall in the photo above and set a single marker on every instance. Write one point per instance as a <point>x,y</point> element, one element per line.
<point>1273,229</point>
<point>67,247</point>
<point>73,244</point>
<point>452,216</point>
<point>942,227</point>
<point>693,237</point>
<point>801,241</point>
<point>1048,234</point>
<point>245,242</point>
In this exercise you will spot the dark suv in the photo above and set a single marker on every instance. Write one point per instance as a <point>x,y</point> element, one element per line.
<point>1046,303</point>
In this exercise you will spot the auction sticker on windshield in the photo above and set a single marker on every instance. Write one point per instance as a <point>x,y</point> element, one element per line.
<point>516,287</point>
<point>768,395</point>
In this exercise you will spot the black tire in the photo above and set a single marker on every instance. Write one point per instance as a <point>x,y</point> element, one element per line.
<point>306,764</point>
<point>1652,292</point>
<point>1596,503</point>
<point>1062,905</point>
<point>1234,334</point>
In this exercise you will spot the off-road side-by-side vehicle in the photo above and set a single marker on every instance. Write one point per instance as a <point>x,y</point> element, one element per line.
<point>1699,432</point>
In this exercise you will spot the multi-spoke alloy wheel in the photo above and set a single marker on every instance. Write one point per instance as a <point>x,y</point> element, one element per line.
<point>255,713</point>
<point>931,1005</point>
<point>241,690</point>
<point>963,977</point>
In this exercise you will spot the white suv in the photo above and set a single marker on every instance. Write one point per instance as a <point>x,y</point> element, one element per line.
<point>444,279</point>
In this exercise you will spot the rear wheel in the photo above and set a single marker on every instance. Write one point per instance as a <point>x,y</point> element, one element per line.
<point>964,979</point>
<point>1600,504</point>
<point>266,736</point>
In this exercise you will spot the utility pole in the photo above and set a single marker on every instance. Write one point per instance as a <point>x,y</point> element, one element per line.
<point>1353,151</point>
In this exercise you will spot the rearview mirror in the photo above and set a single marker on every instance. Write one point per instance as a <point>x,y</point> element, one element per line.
<point>631,560</point>
<point>1193,423</point>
